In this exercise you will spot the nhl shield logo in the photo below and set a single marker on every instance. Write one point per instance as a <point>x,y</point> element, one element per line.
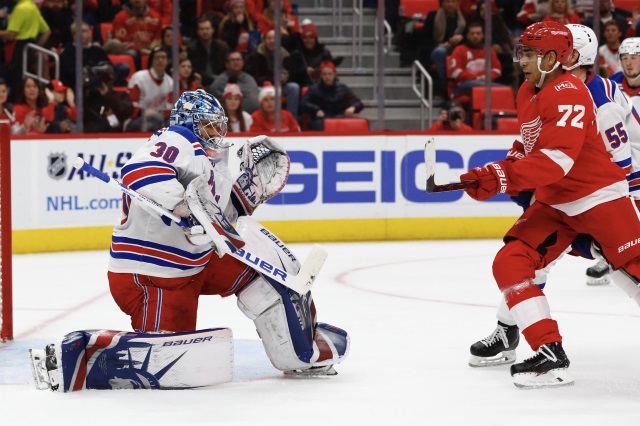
<point>57,167</point>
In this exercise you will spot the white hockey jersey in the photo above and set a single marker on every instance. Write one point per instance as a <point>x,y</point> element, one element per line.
<point>632,125</point>
<point>143,242</point>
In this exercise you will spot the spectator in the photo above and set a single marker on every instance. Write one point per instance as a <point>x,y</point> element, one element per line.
<point>236,26</point>
<point>584,10</point>
<point>451,119</point>
<point>151,90</point>
<point>34,113</point>
<point>207,53</point>
<point>561,11</point>
<point>503,42</point>
<point>239,120</point>
<point>467,62</point>
<point>533,11</point>
<point>6,109</point>
<point>57,15</point>
<point>443,30</point>
<point>609,50</point>
<point>26,25</point>
<point>608,13</point>
<point>189,80</point>
<point>288,22</point>
<point>264,118</point>
<point>306,60</point>
<point>92,55</point>
<point>166,41</point>
<point>104,109</point>
<point>65,112</point>
<point>259,64</point>
<point>329,98</point>
<point>234,62</point>
<point>135,28</point>
<point>256,7</point>
<point>164,9</point>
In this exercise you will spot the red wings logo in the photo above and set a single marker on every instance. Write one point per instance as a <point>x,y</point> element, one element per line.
<point>565,85</point>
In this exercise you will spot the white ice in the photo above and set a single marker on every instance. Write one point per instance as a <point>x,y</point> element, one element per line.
<point>412,310</point>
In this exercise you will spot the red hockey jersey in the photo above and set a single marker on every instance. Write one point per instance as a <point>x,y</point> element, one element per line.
<point>566,161</point>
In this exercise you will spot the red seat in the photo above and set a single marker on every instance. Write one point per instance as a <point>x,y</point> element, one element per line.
<point>411,8</point>
<point>627,5</point>
<point>144,61</point>
<point>346,125</point>
<point>502,103</point>
<point>119,59</point>
<point>508,124</point>
<point>106,31</point>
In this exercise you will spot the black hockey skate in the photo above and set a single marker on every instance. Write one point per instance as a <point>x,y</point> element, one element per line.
<point>599,274</point>
<point>497,349</point>
<point>547,368</point>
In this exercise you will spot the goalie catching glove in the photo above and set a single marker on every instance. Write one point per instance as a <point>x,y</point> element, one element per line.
<point>265,166</point>
<point>492,180</point>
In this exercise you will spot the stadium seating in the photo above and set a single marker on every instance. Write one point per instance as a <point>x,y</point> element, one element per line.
<point>346,125</point>
<point>508,124</point>
<point>627,5</point>
<point>411,8</point>
<point>502,103</point>
<point>106,29</point>
<point>118,59</point>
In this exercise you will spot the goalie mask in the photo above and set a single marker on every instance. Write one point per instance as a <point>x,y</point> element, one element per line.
<point>201,113</point>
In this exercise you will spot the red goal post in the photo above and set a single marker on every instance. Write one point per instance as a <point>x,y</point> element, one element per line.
<point>6,306</point>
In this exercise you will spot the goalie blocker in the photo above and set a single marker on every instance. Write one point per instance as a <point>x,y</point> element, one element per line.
<point>106,359</point>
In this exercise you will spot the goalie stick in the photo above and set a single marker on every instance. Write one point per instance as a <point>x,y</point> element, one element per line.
<point>300,283</point>
<point>430,164</point>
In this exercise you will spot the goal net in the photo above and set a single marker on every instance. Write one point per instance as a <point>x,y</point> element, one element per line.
<point>6,314</point>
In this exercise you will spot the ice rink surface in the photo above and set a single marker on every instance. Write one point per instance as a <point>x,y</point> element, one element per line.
<point>412,310</point>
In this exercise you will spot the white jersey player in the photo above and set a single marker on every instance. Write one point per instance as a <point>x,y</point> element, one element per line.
<point>158,270</point>
<point>620,130</point>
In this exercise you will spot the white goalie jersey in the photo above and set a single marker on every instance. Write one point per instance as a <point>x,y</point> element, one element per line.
<point>619,126</point>
<point>143,242</point>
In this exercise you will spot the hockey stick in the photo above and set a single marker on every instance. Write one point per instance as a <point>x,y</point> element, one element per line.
<point>300,283</point>
<point>430,164</point>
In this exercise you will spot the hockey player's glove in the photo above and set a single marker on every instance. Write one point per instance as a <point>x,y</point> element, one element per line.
<point>516,152</point>
<point>265,169</point>
<point>492,180</point>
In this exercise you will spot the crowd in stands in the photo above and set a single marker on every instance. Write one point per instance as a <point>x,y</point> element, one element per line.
<point>449,42</point>
<point>227,49</point>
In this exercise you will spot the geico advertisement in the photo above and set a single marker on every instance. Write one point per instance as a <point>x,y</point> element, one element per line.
<point>330,178</point>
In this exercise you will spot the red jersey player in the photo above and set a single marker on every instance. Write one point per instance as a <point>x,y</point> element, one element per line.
<point>578,189</point>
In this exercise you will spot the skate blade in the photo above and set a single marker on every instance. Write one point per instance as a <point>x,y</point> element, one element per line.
<point>552,378</point>
<point>599,281</point>
<point>312,372</point>
<point>505,357</point>
<point>40,376</point>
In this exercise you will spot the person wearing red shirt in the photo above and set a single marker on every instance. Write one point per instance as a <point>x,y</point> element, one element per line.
<point>135,28</point>
<point>578,189</point>
<point>561,11</point>
<point>465,66</point>
<point>33,110</point>
<point>264,118</point>
<point>451,119</point>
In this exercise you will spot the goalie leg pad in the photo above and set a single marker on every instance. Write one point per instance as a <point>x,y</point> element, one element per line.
<point>627,283</point>
<point>106,359</point>
<point>287,326</point>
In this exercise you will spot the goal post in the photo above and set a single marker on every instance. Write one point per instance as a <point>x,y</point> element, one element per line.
<point>6,305</point>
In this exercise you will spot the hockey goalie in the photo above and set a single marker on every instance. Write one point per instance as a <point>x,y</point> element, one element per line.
<point>159,269</point>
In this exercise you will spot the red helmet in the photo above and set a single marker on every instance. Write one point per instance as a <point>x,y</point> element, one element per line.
<point>547,36</point>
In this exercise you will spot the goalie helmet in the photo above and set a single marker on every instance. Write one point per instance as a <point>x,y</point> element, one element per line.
<point>629,46</point>
<point>585,42</point>
<point>545,37</point>
<point>201,113</point>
